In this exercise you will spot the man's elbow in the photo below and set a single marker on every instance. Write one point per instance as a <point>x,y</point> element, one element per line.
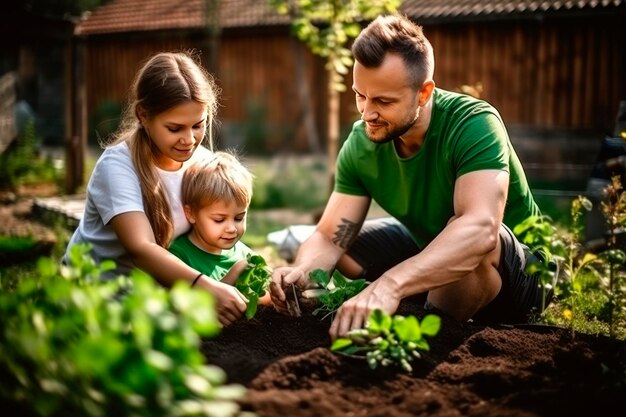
<point>490,234</point>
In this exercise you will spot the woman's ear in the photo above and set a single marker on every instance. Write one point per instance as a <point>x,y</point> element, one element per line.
<point>142,115</point>
<point>191,218</point>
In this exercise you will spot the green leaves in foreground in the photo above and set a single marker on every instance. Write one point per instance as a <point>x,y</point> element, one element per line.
<point>253,282</point>
<point>73,344</point>
<point>389,340</point>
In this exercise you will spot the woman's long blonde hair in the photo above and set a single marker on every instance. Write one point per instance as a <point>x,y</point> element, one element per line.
<point>166,80</point>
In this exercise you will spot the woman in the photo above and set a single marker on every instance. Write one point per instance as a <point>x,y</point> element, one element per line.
<point>133,209</point>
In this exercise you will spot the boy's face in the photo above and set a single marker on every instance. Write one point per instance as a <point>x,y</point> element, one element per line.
<point>218,226</point>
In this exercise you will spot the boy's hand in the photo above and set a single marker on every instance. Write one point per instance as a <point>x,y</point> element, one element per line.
<point>234,272</point>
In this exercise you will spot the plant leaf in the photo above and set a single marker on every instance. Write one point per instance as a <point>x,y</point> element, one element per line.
<point>407,328</point>
<point>430,325</point>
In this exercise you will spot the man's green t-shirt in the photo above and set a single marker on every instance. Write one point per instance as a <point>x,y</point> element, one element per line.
<point>465,135</point>
<point>211,265</point>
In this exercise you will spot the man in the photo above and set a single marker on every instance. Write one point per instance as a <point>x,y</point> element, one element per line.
<point>442,165</point>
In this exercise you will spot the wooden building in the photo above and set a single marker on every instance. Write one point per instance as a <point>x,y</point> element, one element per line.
<point>556,70</point>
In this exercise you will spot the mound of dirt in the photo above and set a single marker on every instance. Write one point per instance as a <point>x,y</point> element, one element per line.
<point>471,370</point>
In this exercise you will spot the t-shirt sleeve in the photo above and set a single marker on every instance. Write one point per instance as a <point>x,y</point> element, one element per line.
<point>481,144</point>
<point>114,186</point>
<point>347,179</point>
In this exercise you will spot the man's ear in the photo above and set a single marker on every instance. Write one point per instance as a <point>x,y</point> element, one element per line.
<point>191,218</point>
<point>426,92</point>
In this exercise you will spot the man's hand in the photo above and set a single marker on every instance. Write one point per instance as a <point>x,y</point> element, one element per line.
<point>353,314</point>
<point>281,279</point>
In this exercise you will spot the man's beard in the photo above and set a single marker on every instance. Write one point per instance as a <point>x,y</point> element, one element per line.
<point>393,134</point>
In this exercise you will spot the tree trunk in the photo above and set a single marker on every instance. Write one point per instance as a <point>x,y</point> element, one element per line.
<point>333,128</point>
<point>307,113</point>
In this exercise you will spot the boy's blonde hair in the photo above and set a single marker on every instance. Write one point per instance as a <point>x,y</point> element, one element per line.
<point>221,177</point>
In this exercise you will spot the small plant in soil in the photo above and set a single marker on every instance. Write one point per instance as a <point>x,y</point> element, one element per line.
<point>388,340</point>
<point>253,282</point>
<point>334,291</point>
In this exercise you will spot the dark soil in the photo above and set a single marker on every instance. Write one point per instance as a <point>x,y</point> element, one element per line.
<point>470,370</point>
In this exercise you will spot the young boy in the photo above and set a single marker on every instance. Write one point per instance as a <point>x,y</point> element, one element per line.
<point>216,194</point>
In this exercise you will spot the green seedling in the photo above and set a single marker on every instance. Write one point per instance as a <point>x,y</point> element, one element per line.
<point>388,340</point>
<point>335,290</point>
<point>253,282</point>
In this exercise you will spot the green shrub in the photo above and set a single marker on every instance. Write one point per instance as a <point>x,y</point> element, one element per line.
<point>284,182</point>
<point>589,290</point>
<point>19,249</point>
<point>72,344</point>
<point>22,163</point>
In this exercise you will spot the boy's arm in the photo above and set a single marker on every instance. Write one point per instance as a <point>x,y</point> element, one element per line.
<point>234,272</point>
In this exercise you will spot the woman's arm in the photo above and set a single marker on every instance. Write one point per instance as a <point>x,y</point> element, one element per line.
<point>135,235</point>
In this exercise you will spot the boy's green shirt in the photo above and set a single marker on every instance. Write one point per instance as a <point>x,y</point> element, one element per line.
<point>211,265</point>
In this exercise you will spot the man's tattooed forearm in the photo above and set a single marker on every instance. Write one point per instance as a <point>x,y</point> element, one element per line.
<point>346,232</point>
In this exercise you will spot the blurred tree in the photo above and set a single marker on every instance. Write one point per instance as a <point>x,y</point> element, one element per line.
<point>326,27</point>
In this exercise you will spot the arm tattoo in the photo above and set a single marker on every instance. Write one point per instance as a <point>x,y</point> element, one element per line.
<point>346,232</point>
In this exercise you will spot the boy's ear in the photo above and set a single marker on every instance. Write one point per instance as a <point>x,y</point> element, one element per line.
<point>191,218</point>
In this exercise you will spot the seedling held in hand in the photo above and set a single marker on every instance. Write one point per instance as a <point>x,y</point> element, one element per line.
<point>335,290</point>
<point>253,282</point>
<point>389,339</point>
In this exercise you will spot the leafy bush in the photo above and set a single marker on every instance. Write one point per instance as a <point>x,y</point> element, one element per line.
<point>289,182</point>
<point>17,249</point>
<point>21,163</point>
<point>72,344</point>
<point>589,286</point>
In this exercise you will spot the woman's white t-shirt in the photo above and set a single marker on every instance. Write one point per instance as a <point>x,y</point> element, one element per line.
<point>114,189</point>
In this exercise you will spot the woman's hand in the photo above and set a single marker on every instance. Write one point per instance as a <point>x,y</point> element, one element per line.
<point>231,304</point>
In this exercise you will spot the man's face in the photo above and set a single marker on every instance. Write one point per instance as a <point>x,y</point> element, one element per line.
<point>388,103</point>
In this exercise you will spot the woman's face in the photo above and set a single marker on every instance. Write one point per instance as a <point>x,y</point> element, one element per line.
<point>176,133</point>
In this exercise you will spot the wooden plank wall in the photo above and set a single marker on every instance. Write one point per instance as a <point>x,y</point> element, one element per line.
<point>566,73</point>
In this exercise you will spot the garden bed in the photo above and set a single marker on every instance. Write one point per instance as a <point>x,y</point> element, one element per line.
<point>470,370</point>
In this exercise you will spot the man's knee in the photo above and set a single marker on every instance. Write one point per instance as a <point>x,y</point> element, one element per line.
<point>350,268</point>
<point>464,298</point>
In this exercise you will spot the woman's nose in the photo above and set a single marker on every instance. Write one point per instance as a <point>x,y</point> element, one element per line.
<point>187,137</point>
